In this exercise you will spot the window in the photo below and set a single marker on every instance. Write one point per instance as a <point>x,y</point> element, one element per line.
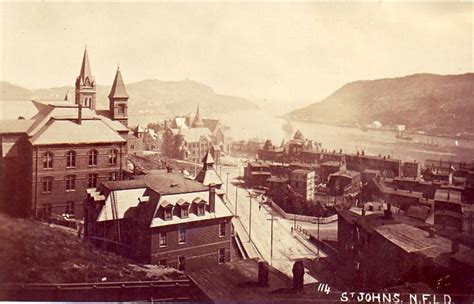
<point>222,229</point>
<point>47,209</point>
<point>185,211</point>
<point>47,184</point>
<point>121,109</point>
<point>92,180</point>
<point>168,214</point>
<point>181,263</point>
<point>71,159</point>
<point>163,239</point>
<point>201,209</point>
<point>93,158</point>
<point>113,157</point>
<point>69,210</point>
<point>70,182</point>
<point>221,254</point>
<point>48,160</point>
<point>162,262</point>
<point>112,176</point>
<point>181,236</point>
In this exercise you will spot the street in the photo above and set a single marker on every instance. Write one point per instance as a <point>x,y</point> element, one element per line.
<point>286,245</point>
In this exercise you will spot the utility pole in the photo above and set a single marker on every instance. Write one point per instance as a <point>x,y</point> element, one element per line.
<point>250,219</point>
<point>227,185</point>
<point>318,237</point>
<point>271,238</point>
<point>236,193</point>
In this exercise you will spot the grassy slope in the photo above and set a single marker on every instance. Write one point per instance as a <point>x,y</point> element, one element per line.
<point>35,252</point>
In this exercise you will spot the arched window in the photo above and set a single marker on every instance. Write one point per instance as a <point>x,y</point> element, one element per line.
<point>93,157</point>
<point>48,160</point>
<point>113,157</point>
<point>70,159</point>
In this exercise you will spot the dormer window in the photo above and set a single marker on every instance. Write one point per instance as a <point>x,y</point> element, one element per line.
<point>185,211</point>
<point>201,210</point>
<point>168,215</point>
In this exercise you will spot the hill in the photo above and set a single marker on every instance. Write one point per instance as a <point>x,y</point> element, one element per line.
<point>36,252</point>
<point>147,97</point>
<point>428,102</point>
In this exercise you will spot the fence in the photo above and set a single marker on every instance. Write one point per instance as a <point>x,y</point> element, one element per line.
<point>165,290</point>
<point>304,218</point>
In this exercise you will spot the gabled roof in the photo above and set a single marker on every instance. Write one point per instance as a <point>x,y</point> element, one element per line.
<point>211,124</point>
<point>68,131</point>
<point>208,159</point>
<point>12,126</point>
<point>118,87</point>
<point>126,201</point>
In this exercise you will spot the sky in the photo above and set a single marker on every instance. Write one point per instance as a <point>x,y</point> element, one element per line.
<point>253,50</point>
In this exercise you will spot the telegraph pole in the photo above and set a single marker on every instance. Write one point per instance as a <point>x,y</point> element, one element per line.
<point>250,219</point>
<point>227,185</point>
<point>271,238</point>
<point>236,192</point>
<point>319,244</point>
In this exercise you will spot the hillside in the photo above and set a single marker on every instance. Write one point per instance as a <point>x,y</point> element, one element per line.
<point>428,102</point>
<point>147,97</point>
<point>35,252</point>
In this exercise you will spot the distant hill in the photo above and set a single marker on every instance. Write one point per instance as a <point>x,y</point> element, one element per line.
<point>428,102</point>
<point>147,97</point>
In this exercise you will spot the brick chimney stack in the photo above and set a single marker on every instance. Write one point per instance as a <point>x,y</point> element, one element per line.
<point>79,113</point>
<point>212,198</point>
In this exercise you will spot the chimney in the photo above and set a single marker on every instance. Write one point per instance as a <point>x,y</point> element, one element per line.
<point>388,212</point>
<point>363,210</point>
<point>79,113</point>
<point>263,273</point>
<point>431,233</point>
<point>454,245</point>
<point>212,198</point>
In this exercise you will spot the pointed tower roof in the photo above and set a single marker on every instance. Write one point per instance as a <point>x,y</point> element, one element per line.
<point>208,159</point>
<point>118,87</point>
<point>85,67</point>
<point>197,122</point>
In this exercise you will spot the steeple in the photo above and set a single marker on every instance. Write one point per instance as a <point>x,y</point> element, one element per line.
<point>197,122</point>
<point>85,84</point>
<point>85,67</point>
<point>118,87</point>
<point>118,99</point>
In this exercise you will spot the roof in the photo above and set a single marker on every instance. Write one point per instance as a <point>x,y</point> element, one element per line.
<point>207,159</point>
<point>194,134</point>
<point>211,124</point>
<point>126,201</point>
<point>139,129</point>
<point>372,221</point>
<point>221,211</point>
<point>118,87</point>
<point>414,240</point>
<point>208,176</point>
<point>70,132</point>
<point>301,171</point>
<point>172,183</point>
<point>331,163</point>
<point>85,68</point>
<point>197,122</point>
<point>346,173</point>
<point>448,195</point>
<point>124,184</point>
<point>12,126</point>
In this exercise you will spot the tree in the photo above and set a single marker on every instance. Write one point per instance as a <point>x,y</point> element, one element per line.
<point>168,144</point>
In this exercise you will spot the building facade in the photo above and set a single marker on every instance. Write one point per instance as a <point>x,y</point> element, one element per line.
<point>67,147</point>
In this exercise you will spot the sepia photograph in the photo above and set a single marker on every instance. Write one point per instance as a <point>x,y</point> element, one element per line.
<point>237,152</point>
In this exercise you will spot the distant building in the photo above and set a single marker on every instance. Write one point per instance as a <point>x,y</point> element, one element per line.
<point>302,181</point>
<point>164,219</point>
<point>48,161</point>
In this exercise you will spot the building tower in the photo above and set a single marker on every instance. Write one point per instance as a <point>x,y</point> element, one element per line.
<point>197,122</point>
<point>118,100</point>
<point>85,84</point>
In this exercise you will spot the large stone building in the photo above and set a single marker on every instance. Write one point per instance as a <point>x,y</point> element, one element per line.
<point>47,162</point>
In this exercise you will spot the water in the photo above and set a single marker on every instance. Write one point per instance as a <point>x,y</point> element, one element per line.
<point>265,125</point>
